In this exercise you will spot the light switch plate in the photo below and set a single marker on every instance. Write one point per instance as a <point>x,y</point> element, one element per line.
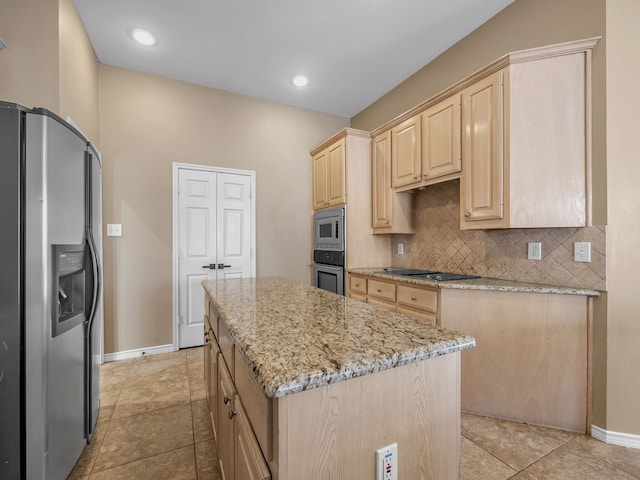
<point>400,248</point>
<point>114,229</point>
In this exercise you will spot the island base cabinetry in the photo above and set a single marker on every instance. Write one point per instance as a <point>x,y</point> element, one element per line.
<point>531,363</point>
<point>333,432</point>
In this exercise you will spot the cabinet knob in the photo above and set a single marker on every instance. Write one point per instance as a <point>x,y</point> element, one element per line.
<point>415,176</point>
<point>357,284</point>
<point>387,222</point>
<point>232,413</point>
<point>467,214</point>
<point>379,290</point>
<point>226,400</point>
<point>426,174</point>
<point>413,297</point>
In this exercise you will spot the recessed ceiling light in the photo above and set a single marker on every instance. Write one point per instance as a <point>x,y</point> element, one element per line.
<point>300,81</point>
<point>143,37</point>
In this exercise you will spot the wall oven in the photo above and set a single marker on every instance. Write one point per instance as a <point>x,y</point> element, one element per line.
<point>329,251</point>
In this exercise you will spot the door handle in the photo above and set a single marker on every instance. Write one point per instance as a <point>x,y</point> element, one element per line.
<point>222,266</point>
<point>211,266</point>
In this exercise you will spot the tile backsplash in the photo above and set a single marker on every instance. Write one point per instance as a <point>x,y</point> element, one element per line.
<point>439,244</point>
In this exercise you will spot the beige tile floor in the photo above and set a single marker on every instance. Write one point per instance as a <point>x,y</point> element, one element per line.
<point>154,424</point>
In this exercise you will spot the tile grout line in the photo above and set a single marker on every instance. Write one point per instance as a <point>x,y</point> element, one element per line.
<point>193,426</point>
<point>492,455</point>
<point>548,453</point>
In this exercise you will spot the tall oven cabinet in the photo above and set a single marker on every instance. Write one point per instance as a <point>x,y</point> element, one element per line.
<point>342,165</point>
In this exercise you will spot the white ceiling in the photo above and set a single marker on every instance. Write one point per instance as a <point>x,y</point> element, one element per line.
<point>353,51</point>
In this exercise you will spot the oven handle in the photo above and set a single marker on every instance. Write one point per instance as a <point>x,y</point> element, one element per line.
<point>324,266</point>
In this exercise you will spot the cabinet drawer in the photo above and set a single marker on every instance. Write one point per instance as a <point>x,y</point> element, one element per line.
<point>358,285</point>
<point>419,298</point>
<point>383,290</point>
<point>381,303</point>
<point>259,407</point>
<point>227,347</point>
<point>419,314</point>
<point>249,462</point>
<point>355,296</point>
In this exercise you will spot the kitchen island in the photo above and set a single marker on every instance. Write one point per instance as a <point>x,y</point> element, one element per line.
<point>303,383</point>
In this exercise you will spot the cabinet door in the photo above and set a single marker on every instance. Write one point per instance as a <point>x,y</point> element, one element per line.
<point>381,194</point>
<point>482,186</point>
<point>226,437</point>
<point>320,199</point>
<point>212,390</point>
<point>207,359</point>
<point>249,462</point>
<point>405,152</point>
<point>336,174</point>
<point>441,139</point>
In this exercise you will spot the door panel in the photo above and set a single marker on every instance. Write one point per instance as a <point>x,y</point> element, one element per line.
<point>234,225</point>
<point>214,223</point>
<point>196,248</point>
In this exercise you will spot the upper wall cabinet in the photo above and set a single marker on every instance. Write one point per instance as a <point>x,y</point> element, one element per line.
<point>391,211</point>
<point>526,142</point>
<point>517,132</point>
<point>406,153</point>
<point>329,189</point>
<point>441,141</point>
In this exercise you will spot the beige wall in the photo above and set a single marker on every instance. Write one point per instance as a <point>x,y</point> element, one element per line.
<point>29,64</point>
<point>148,122</point>
<point>623,171</point>
<point>49,61</point>
<point>78,73</point>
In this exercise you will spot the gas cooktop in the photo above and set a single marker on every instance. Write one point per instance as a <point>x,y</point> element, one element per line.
<point>426,274</point>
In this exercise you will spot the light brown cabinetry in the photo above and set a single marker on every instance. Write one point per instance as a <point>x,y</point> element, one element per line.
<point>526,142</point>
<point>392,211</point>
<point>441,140</point>
<point>329,189</point>
<point>523,133</point>
<point>353,148</point>
<point>239,449</point>
<point>531,361</point>
<point>482,187</point>
<point>417,301</point>
<point>406,153</point>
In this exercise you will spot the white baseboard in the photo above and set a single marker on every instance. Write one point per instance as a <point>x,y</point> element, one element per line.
<point>615,438</point>
<point>138,352</point>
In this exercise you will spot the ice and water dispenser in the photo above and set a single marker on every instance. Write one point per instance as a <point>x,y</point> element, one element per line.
<point>68,288</point>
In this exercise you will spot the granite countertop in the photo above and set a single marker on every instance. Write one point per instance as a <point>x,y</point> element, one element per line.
<point>480,284</point>
<point>295,337</point>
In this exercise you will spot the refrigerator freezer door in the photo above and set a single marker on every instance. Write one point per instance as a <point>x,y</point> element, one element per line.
<point>54,373</point>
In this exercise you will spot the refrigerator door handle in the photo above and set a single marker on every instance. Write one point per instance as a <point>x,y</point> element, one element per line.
<point>95,268</point>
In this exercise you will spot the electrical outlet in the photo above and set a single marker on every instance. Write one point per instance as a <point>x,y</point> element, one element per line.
<point>400,248</point>
<point>387,462</point>
<point>535,251</point>
<point>582,251</point>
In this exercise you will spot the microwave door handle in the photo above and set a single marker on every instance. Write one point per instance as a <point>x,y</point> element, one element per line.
<point>337,229</point>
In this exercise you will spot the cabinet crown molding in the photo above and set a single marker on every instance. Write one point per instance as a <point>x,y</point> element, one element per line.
<point>520,56</point>
<point>341,134</point>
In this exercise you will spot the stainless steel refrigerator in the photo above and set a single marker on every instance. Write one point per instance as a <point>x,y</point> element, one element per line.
<point>50,293</point>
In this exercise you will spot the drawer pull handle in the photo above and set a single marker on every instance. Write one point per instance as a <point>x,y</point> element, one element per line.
<point>232,413</point>
<point>226,400</point>
<point>413,297</point>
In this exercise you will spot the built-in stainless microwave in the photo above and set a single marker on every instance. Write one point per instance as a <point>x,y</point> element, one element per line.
<point>329,229</point>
